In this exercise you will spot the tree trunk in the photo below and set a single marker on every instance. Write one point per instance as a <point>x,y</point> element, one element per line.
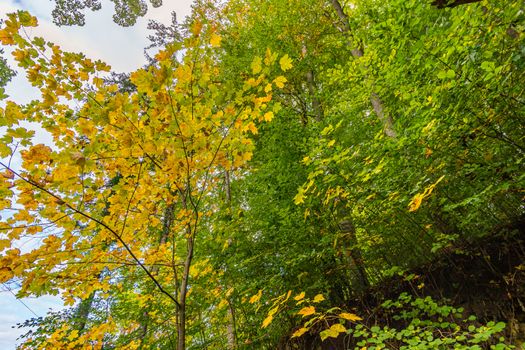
<point>166,228</point>
<point>181,329</point>
<point>82,314</point>
<point>352,252</point>
<point>316,104</point>
<point>231,329</point>
<point>377,104</point>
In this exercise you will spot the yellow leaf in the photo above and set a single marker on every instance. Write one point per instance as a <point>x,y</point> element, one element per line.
<point>306,214</point>
<point>269,57</point>
<point>162,55</point>
<point>26,19</point>
<point>299,332</point>
<point>267,321</point>
<point>268,116</point>
<point>416,201</point>
<point>37,153</point>
<point>299,197</point>
<point>279,81</point>
<point>251,126</point>
<point>318,298</point>
<point>307,311</point>
<point>338,328</point>
<point>273,311</point>
<point>268,88</point>
<point>256,297</point>
<point>285,62</point>
<point>247,156</point>
<point>19,55</point>
<point>98,82</point>
<point>73,335</point>
<point>429,126</point>
<point>428,152</point>
<point>331,143</point>
<point>215,40</point>
<point>4,243</point>
<point>256,65</point>
<point>196,27</point>
<point>6,38</point>
<point>349,317</point>
<point>333,331</point>
<point>299,296</point>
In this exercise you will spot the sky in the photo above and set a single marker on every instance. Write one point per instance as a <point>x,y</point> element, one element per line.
<point>100,38</point>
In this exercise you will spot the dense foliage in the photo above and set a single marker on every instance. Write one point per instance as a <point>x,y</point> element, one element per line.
<point>274,162</point>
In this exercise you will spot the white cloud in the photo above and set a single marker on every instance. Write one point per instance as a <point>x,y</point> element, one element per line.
<point>13,311</point>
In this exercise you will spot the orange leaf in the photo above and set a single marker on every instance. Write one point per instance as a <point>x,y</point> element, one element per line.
<point>267,321</point>
<point>307,311</point>
<point>299,296</point>
<point>299,332</point>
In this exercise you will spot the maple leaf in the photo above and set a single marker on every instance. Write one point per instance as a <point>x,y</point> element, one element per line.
<point>196,27</point>
<point>26,19</point>
<point>256,65</point>
<point>6,37</point>
<point>286,63</point>
<point>279,81</point>
<point>215,40</point>
<point>268,116</point>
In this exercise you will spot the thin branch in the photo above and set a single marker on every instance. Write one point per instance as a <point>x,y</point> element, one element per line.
<point>101,223</point>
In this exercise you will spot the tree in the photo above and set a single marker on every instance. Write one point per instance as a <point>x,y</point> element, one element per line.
<point>6,73</point>
<point>187,212</point>
<point>121,197</point>
<point>71,12</point>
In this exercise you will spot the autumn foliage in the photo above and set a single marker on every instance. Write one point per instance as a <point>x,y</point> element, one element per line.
<point>265,174</point>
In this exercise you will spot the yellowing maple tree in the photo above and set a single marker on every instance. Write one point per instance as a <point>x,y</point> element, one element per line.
<point>118,200</point>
